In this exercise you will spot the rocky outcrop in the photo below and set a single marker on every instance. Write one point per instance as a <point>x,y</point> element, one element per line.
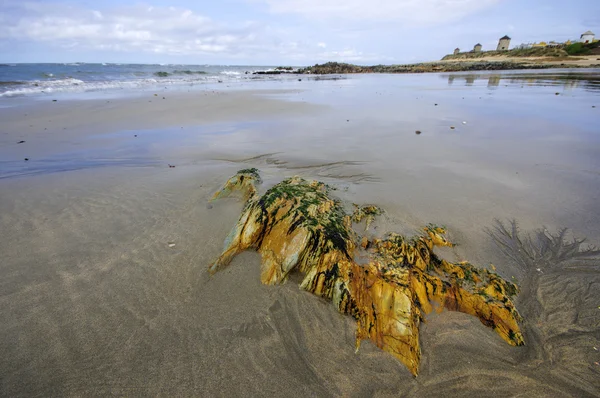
<point>387,285</point>
<point>341,68</point>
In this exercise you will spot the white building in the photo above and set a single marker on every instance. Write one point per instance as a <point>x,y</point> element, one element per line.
<point>503,43</point>
<point>587,37</point>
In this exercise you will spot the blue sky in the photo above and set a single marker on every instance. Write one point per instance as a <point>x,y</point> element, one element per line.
<point>278,32</point>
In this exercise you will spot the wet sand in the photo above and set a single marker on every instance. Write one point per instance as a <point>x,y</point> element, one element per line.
<point>103,282</point>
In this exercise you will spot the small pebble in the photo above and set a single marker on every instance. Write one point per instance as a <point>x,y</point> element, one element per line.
<point>26,159</point>
<point>209,206</point>
<point>135,135</point>
<point>593,106</point>
<point>418,132</point>
<point>556,93</point>
<point>171,244</point>
<point>452,127</point>
<point>54,100</point>
<point>435,104</point>
<point>464,122</point>
<point>20,142</point>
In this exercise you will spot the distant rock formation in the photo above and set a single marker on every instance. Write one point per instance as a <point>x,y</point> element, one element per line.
<point>342,68</point>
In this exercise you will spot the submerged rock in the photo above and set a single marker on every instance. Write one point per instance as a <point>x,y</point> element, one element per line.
<point>297,226</point>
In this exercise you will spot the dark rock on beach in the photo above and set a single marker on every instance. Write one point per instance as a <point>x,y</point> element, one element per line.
<point>280,70</point>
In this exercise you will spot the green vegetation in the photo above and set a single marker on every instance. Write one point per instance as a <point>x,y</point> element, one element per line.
<point>516,52</point>
<point>469,275</point>
<point>577,49</point>
<point>161,74</point>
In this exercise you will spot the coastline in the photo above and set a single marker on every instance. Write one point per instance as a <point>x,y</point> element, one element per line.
<point>458,65</point>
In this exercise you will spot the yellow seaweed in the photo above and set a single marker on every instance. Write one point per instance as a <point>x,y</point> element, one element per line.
<point>297,225</point>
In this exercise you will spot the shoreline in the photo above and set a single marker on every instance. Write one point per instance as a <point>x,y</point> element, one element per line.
<point>491,64</point>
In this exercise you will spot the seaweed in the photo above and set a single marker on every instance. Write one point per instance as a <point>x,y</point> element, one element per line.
<point>297,226</point>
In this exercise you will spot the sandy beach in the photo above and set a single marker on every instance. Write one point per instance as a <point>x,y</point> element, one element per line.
<point>104,288</point>
<point>579,61</point>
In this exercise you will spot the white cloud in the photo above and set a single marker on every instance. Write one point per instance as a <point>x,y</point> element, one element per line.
<point>349,55</point>
<point>408,12</point>
<point>167,31</point>
<point>139,28</point>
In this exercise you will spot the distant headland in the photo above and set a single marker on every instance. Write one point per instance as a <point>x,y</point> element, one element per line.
<point>584,53</point>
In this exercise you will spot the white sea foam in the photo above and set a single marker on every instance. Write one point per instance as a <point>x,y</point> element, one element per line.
<point>76,85</point>
<point>53,85</point>
<point>67,85</point>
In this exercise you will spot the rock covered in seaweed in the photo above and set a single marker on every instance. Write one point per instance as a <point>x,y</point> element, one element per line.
<point>297,225</point>
<point>367,213</point>
<point>244,183</point>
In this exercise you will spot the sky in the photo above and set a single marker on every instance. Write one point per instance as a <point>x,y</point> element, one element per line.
<point>278,32</point>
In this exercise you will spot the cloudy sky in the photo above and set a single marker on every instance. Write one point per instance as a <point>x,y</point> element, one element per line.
<point>276,32</point>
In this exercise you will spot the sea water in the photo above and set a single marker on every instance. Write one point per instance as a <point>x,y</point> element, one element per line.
<point>47,78</point>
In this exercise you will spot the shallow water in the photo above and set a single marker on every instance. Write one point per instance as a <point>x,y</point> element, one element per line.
<point>97,301</point>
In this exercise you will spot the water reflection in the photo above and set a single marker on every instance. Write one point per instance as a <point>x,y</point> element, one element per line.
<point>587,80</point>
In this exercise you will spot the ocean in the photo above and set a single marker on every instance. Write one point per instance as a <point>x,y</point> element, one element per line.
<point>32,79</point>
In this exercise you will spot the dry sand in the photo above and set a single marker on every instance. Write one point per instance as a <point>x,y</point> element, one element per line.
<point>96,300</point>
<point>580,60</point>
